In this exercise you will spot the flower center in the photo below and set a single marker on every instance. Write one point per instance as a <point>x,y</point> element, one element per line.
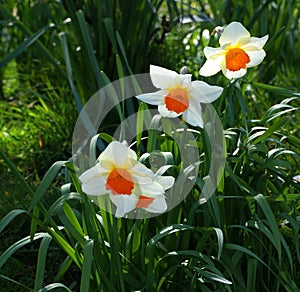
<point>144,202</point>
<point>177,100</point>
<point>119,182</point>
<point>236,59</point>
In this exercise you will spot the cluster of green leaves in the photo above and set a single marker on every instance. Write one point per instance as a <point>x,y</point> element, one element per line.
<point>245,238</point>
<point>225,244</point>
<point>45,46</point>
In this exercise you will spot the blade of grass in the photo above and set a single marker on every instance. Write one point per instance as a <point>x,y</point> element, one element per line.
<point>87,266</point>
<point>88,43</point>
<point>41,262</point>
<point>63,39</point>
<point>17,283</point>
<point>17,173</point>
<point>262,202</point>
<point>17,245</point>
<point>9,217</point>
<point>55,286</point>
<point>28,42</point>
<point>251,275</point>
<point>47,180</point>
<point>21,25</point>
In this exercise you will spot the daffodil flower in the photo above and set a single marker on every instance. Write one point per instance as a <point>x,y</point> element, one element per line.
<point>296,178</point>
<point>237,52</point>
<point>129,183</point>
<point>178,95</point>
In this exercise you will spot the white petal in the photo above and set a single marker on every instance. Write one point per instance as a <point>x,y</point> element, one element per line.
<point>166,113</point>
<point>212,66</point>
<point>205,93</point>
<point>107,153</point>
<point>122,154</point>
<point>255,43</point>
<point>151,190</point>
<point>166,181</point>
<point>163,78</point>
<point>119,154</point>
<point>256,57</point>
<point>234,74</point>
<point>154,98</point>
<point>141,174</point>
<point>159,205</point>
<point>213,53</point>
<point>96,186</point>
<point>95,171</point>
<point>232,33</point>
<point>185,80</point>
<point>193,115</point>
<point>124,203</point>
<point>107,164</point>
<point>89,174</point>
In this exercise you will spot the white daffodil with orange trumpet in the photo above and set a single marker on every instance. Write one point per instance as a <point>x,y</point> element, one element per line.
<point>237,52</point>
<point>129,183</point>
<point>179,95</point>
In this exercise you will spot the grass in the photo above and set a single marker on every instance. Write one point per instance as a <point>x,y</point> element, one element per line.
<point>245,238</point>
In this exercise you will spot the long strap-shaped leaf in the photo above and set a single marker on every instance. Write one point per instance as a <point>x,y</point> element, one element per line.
<point>17,173</point>
<point>35,36</point>
<point>45,183</point>
<point>21,48</point>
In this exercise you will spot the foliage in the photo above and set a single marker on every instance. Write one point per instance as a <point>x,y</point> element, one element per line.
<point>245,238</point>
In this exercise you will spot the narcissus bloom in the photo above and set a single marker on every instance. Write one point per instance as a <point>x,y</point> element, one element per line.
<point>178,95</point>
<point>237,52</point>
<point>129,183</point>
<point>296,178</point>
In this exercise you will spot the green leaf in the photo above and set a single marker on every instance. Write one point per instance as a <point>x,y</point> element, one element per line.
<point>89,46</point>
<point>65,246</point>
<point>63,269</point>
<point>17,245</point>
<point>71,224</point>
<point>214,277</point>
<point>262,202</point>
<point>296,227</point>
<point>278,34</point>
<point>9,217</point>
<point>17,173</point>
<point>110,32</point>
<point>28,42</point>
<point>63,39</point>
<point>34,221</point>
<point>251,275</point>
<point>220,237</point>
<point>275,89</point>
<point>40,267</point>
<point>54,286</point>
<point>93,150</point>
<point>140,126</point>
<point>72,217</point>
<point>87,265</point>
<point>121,45</point>
<point>244,250</point>
<point>271,130</point>
<point>46,182</point>
<point>273,164</point>
<point>16,283</point>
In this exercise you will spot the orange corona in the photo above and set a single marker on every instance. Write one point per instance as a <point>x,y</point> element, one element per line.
<point>236,59</point>
<point>119,182</point>
<point>144,202</point>
<point>177,100</point>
